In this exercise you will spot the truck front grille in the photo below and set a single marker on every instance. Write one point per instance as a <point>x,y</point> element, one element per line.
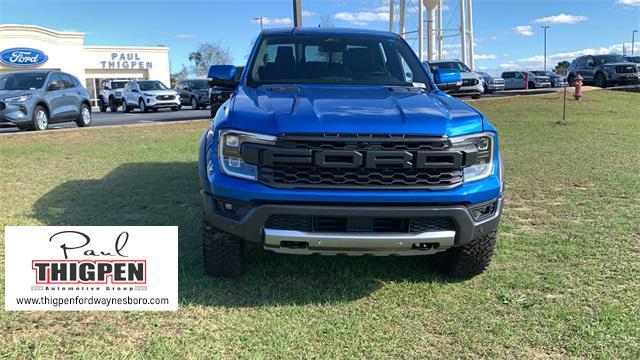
<point>165,97</point>
<point>346,161</point>
<point>626,69</point>
<point>470,82</point>
<point>359,224</point>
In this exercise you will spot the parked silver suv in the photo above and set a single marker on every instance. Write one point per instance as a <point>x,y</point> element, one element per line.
<point>149,95</point>
<point>31,100</point>
<point>472,82</point>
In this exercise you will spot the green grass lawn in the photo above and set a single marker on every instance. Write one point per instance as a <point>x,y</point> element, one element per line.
<point>564,281</point>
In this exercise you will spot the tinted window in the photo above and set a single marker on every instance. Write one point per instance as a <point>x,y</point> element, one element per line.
<point>450,65</point>
<point>507,75</point>
<point>335,59</point>
<point>151,85</point>
<point>118,84</point>
<point>199,84</point>
<point>67,81</point>
<point>56,79</point>
<point>22,81</point>
<point>609,59</point>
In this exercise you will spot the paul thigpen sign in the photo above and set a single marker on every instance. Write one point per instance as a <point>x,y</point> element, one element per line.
<point>91,268</point>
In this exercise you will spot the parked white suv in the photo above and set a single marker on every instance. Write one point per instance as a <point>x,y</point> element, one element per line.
<point>149,95</point>
<point>472,82</point>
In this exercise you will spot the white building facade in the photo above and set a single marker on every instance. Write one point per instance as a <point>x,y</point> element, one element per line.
<point>66,51</point>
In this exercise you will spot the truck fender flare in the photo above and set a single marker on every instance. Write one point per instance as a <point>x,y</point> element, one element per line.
<point>202,162</point>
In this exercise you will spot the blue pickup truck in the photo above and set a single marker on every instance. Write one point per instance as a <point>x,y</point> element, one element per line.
<point>337,141</point>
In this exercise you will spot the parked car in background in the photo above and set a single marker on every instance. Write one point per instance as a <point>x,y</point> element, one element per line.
<point>472,82</point>
<point>492,84</point>
<point>194,92</point>
<point>111,94</point>
<point>149,95</point>
<point>536,81</point>
<point>514,80</point>
<point>634,59</point>
<point>31,100</point>
<point>604,70</point>
<point>219,94</point>
<point>556,80</point>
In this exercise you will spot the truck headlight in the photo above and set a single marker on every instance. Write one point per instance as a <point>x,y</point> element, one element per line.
<point>230,156</point>
<point>18,99</point>
<point>483,166</point>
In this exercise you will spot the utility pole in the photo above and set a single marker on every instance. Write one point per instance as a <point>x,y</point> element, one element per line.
<point>439,29</point>
<point>470,29</point>
<point>463,31</point>
<point>401,18</point>
<point>545,46</point>
<point>259,18</point>
<point>421,30</point>
<point>391,14</point>
<point>297,13</point>
<point>633,41</point>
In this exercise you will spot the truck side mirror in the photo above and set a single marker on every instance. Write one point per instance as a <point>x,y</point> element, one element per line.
<point>447,79</point>
<point>222,75</point>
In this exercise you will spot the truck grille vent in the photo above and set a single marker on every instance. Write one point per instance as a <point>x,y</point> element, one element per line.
<point>301,175</point>
<point>626,69</point>
<point>358,224</point>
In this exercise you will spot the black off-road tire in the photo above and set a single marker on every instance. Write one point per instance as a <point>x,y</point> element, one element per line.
<point>223,254</point>
<point>532,85</point>
<point>600,81</point>
<point>102,105</point>
<point>468,260</point>
<point>113,106</point>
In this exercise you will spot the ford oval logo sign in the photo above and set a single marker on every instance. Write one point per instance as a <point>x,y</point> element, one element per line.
<point>23,57</point>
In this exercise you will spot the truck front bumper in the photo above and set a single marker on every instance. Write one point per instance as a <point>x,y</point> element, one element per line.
<point>252,224</point>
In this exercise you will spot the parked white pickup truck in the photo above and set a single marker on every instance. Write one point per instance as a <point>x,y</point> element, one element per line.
<point>111,94</point>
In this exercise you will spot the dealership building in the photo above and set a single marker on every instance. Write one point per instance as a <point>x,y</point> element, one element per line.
<point>26,47</point>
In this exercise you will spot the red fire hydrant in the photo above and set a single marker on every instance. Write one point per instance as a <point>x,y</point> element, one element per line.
<point>577,82</point>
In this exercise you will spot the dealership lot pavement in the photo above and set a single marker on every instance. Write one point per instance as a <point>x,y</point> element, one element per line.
<point>119,118</point>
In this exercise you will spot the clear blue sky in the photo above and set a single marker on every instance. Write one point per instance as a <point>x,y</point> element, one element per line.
<point>508,33</point>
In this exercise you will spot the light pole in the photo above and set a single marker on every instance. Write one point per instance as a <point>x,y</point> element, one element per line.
<point>260,18</point>
<point>545,46</point>
<point>633,40</point>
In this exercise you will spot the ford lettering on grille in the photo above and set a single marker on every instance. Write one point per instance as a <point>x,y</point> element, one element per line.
<point>359,161</point>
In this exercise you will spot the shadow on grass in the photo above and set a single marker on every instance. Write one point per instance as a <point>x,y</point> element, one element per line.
<point>168,194</point>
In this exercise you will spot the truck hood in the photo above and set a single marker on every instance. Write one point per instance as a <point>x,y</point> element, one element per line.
<point>351,109</point>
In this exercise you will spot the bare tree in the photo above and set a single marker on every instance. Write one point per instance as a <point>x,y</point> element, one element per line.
<point>178,76</point>
<point>326,21</point>
<point>562,67</point>
<point>208,54</point>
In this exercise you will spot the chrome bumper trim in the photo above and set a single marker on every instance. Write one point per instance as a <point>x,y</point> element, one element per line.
<point>358,243</point>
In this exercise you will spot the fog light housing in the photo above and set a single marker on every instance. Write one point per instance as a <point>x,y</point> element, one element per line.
<point>483,211</point>
<point>232,209</point>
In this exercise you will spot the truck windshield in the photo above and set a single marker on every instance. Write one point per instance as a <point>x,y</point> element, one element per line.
<point>543,73</point>
<point>335,59</point>
<point>118,84</point>
<point>450,65</point>
<point>151,85</point>
<point>199,84</point>
<point>609,59</point>
<point>22,81</point>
